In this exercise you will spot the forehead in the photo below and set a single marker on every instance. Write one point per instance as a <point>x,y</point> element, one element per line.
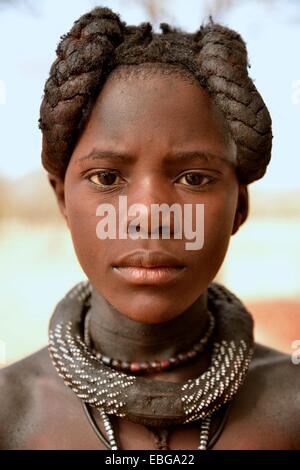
<point>139,105</point>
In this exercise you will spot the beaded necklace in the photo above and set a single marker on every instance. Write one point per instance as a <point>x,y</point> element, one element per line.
<point>148,402</point>
<point>155,365</point>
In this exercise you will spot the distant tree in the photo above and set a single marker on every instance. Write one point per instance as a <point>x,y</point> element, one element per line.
<point>155,8</point>
<point>219,7</point>
<point>158,9</point>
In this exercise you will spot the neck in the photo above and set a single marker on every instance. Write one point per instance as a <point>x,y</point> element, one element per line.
<point>117,336</point>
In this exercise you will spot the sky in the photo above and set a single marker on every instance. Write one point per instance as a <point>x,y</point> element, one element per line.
<point>30,32</point>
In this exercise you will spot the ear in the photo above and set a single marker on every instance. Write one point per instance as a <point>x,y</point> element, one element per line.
<point>58,186</point>
<point>242,208</point>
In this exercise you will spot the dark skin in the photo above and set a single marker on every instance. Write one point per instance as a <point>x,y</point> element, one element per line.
<point>38,411</point>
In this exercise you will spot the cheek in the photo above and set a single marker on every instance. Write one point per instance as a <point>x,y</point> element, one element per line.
<point>219,212</point>
<point>218,223</point>
<point>82,219</point>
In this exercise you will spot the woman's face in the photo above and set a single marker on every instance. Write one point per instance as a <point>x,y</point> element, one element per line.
<point>158,124</point>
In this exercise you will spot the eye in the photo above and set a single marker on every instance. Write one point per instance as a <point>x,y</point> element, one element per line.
<point>103,178</point>
<point>196,179</point>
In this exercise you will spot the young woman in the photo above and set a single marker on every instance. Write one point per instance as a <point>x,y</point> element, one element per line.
<point>149,352</point>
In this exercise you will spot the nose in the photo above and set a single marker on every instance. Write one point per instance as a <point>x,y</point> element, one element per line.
<point>150,208</point>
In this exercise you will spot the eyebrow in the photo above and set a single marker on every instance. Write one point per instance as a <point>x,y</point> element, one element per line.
<point>196,155</point>
<point>171,157</point>
<point>104,154</point>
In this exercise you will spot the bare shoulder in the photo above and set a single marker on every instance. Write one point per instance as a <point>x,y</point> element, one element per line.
<point>20,376</point>
<point>21,384</point>
<point>276,367</point>
<point>271,390</point>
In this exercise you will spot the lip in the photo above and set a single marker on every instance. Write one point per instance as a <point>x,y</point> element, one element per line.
<point>149,259</point>
<point>149,267</point>
<point>158,275</point>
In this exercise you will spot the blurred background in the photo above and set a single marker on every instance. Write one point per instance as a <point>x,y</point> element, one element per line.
<point>38,264</point>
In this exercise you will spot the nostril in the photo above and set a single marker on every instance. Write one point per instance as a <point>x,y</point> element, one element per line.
<point>134,228</point>
<point>163,230</point>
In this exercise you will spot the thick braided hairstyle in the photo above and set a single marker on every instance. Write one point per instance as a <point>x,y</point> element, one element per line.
<point>99,41</point>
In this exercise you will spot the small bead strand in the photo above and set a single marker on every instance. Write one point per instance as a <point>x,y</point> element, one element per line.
<point>109,430</point>
<point>204,433</point>
<point>136,367</point>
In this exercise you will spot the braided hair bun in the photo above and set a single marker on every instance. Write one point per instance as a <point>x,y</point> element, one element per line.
<point>99,41</point>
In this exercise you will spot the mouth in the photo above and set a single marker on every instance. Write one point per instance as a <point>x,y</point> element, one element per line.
<point>149,267</point>
<point>154,275</point>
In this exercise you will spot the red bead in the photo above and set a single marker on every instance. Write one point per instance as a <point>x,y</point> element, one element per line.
<point>174,361</point>
<point>165,364</point>
<point>192,354</point>
<point>135,367</point>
